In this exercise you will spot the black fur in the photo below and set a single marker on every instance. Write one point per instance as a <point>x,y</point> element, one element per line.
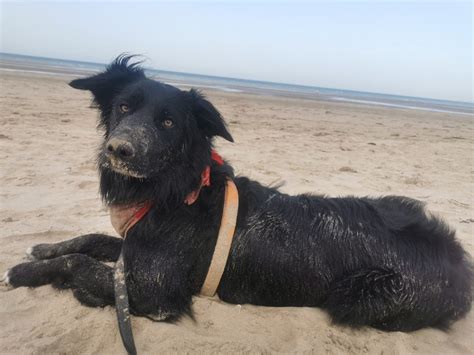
<point>382,262</point>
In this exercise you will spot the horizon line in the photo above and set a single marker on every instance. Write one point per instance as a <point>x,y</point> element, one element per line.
<point>244,79</point>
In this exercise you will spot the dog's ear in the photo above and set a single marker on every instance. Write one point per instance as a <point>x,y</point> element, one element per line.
<point>106,85</point>
<point>209,120</point>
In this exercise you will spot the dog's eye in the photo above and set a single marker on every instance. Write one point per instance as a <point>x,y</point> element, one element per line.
<point>168,123</point>
<point>124,108</point>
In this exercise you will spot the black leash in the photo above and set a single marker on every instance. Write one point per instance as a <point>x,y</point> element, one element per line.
<point>122,307</point>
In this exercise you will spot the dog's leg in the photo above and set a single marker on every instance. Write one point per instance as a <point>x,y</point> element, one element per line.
<point>158,290</point>
<point>92,284</point>
<point>379,298</point>
<point>98,246</point>
<point>91,280</point>
<point>359,299</point>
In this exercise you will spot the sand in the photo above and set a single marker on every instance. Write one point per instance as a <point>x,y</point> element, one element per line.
<point>49,192</point>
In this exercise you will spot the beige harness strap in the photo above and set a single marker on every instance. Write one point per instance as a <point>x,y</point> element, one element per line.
<point>224,240</point>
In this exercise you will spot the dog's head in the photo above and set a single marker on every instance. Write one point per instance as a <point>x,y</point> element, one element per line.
<point>149,126</point>
<point>152,130</point>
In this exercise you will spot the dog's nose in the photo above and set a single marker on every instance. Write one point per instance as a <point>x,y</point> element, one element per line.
<point>120,148</point>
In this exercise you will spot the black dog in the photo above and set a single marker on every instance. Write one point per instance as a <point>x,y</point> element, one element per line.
<point>381,262</point>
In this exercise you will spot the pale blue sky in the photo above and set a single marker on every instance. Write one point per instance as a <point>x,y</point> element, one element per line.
<point>414,48</point>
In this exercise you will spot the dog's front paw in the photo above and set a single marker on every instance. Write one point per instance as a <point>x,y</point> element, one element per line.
<point>40,252</point>
<point>31,274</point>
<point>6,279</point>
<point>14,277</point>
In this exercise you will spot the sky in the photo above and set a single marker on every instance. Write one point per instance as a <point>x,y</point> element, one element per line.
<point>413,48</point>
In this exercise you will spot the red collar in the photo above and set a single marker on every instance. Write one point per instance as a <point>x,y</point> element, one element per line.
<point>124,218</point>
<point>205,179</point>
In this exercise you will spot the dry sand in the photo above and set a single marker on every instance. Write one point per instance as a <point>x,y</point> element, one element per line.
<point>49,192</point>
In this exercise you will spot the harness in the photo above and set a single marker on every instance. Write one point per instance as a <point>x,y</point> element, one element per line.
<point>123,218</point>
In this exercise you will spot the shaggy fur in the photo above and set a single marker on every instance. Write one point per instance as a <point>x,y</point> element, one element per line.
<point>381,262</point>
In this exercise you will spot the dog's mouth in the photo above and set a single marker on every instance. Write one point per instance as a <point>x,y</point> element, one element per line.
<point>121,167</point>
<point>141,166</point>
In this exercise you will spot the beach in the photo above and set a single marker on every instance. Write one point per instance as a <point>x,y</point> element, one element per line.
<point>49,193</point>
